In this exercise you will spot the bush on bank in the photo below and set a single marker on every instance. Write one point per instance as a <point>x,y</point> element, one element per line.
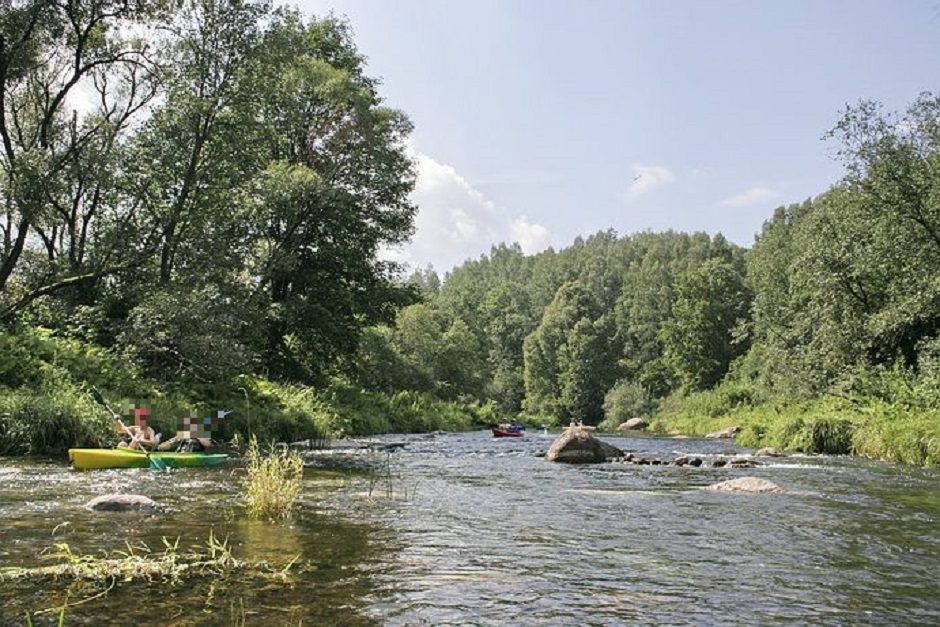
<point>45,407</point>
<point>865,426</point>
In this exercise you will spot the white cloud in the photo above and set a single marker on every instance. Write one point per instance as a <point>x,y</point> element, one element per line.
<point>456,222</point>
<point>531,237</point>
<point>646,178</point>
<point>750,197</point>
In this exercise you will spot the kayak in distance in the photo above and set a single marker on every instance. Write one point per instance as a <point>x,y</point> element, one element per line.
<point>98,458</point>
<point>509,430</point>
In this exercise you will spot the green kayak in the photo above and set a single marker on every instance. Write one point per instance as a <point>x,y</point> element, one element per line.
<point>94,458</point>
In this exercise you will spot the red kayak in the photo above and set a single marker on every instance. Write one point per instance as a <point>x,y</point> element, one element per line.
<point>507,433</point>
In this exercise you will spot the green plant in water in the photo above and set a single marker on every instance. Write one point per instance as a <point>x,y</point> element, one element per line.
<point>273,482</point>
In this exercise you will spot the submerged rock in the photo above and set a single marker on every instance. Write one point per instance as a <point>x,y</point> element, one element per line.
<point>768,452</point>
<point>576,445</point>
<point>753,485</point>
<point>728,433</point>
<point>120,503</point>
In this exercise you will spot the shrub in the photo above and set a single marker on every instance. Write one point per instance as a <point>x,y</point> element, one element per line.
<point>273,483</point>
<point>627,399</point>
<point>50,422</point>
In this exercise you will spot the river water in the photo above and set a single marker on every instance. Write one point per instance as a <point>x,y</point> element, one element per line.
<point>464,529</point>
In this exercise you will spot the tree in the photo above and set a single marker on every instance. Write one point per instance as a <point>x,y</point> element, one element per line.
<point>699,340</point>
<point>544,347</point>
<point>57,166</point>
<point>586,370</point>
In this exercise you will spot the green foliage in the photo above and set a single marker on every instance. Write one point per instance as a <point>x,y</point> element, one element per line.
<point>711,303</point>
<point>186,336</point>
<point>50,422</point>
<point>626,400</point>
<point>208,237</point>
<point>273,482</point>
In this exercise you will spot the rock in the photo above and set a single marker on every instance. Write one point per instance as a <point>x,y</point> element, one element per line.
<point>634,424</point>
<point>609,450</point>
<point>695,461</point>
<point>752,485</point>
<point>741,462</point>
<point>681,461</point>
<point>769,452</point>
<point>718,463</point>
<point>728,433</point>
<point>120,503</point>
<point>576,445</point>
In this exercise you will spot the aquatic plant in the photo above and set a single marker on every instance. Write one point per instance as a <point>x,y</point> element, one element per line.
<point>273,482</point>
<point>138,563</point>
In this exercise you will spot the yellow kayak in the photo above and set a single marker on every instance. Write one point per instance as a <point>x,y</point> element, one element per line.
<point>95,458</point>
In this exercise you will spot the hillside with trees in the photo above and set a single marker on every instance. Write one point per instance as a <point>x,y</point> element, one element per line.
<point>195,197</point>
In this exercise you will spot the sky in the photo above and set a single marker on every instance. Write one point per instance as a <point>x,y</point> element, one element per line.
<point>537,121</point>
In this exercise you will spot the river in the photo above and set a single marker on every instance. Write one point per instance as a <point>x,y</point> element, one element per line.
<point>457,529</point>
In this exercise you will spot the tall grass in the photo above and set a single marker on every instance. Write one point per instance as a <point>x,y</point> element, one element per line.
<point>48,422</point>
<point>273,483</point>
<point>861,425</point>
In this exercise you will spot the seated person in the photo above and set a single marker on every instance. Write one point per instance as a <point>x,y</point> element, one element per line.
<point>193,438</point>
<point>141,435</point>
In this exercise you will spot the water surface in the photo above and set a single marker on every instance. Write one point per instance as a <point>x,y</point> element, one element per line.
<point>467,529</point>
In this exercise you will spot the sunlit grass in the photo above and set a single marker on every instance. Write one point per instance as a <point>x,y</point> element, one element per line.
<point>273,483</point>
<point>875,429</point>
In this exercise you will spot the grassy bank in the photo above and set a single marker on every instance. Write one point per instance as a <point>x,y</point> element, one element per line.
<point>45,407</point>
<point>870,427</point>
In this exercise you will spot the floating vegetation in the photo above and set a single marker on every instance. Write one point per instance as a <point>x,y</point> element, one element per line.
<point>137,562</point>
<point>273,483</point>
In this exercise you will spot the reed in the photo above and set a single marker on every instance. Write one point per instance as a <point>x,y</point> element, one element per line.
<point>273,482</point>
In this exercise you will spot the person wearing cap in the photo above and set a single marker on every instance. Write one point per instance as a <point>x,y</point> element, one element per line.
<point>141,435</point>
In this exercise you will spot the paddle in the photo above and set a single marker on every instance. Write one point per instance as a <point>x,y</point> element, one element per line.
<point>155,464</point>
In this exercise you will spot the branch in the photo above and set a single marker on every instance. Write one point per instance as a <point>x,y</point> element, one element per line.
<point>79,279</point>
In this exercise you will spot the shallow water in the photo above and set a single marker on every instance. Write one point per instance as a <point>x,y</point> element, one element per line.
<point>467,529</point>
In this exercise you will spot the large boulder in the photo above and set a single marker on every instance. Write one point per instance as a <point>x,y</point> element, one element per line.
<point>120,503</point>
<point>753,485</point>
<point>730,432</point>
<point>576,445</point>
<point>634,424</point>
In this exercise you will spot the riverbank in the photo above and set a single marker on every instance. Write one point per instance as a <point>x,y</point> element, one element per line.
<point>865,427</point>
<point>44,420</point>
<point>46,408</point>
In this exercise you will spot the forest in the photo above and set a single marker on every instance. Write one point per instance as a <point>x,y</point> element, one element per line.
<point>195,201</point>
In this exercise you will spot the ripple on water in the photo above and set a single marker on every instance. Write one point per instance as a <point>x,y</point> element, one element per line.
<point>480,531</point>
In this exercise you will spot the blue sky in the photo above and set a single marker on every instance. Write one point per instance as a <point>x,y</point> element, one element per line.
<point>537,121</point>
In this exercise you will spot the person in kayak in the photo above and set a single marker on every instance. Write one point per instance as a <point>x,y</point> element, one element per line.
<point>194,438</point>
<point>141,435</point>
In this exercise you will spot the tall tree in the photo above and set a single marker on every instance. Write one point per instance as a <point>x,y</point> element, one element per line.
<point>56,165</point>
<point>699,340</point>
